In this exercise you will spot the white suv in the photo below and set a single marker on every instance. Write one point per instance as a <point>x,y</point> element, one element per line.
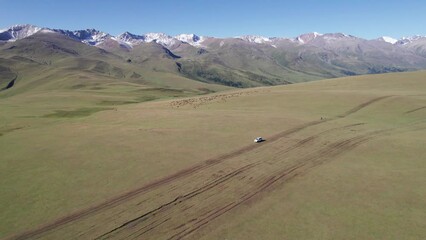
<point>258,139</point>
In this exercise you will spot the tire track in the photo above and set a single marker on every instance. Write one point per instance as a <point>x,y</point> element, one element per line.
<point>131,194</point>
<point>305,141</point>
<point>301,168</point>
<point>182,198</point>
<point>363,105</point>
<point>416,109</point>
<point>178,175</point>
<point>283,176</point>
<point>306,163</point>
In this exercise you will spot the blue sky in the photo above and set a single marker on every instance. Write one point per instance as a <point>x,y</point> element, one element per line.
<point>223,18</point>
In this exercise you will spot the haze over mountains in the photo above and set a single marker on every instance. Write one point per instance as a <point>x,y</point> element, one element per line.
<point>244,61</point>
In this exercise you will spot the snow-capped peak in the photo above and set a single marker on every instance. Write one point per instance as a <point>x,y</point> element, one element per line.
<point>88,36</point>
<point>188,38</point>
<point>254,38</point>
<point>316,34</point>
<point>337,36</point>
<point>388,39</point>
<point>133,39</point>
<point>46,30</point>
<point>126,36</point>
<point>17,32</point>
<point>307,37</point>
<point>149,37</point>
<point>406,40</point>
<point>129,39</point>
<point>160,38</point>
<point>414,38</point>
<point>91,36</point>
<point>191,39</point>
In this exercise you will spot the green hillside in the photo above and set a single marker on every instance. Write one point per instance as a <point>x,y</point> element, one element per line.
<point>343,158</point>
<point>52,60</point>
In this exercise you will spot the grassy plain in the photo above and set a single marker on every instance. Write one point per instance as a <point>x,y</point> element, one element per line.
<point>357,173</point>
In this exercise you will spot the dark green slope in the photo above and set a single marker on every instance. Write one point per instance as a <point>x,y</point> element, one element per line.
<point>238,63</point>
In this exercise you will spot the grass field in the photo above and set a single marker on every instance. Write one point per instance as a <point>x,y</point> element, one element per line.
<point>343,159</point>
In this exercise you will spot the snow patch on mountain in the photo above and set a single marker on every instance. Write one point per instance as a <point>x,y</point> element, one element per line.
<point>17,32</point>
<point>89,36</point>
<point>307,37</point>
<point>336,36</point>
<point>133,39</point>
<point>407,40</point>
<point>254,39</point>
<point>129,39</point>
<point>187,38</point>
<point>191,39</point>
<point>388,39</point>
<point>160,38</point>
<point>46,30</point>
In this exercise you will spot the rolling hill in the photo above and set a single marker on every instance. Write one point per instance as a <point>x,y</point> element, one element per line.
<point>343,158</point>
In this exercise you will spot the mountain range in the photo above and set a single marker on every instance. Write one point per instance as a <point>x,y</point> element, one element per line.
<point>156,58</point>
<point>95,37</point>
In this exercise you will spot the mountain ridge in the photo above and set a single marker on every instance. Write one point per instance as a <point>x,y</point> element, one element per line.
<point>159,59</point>
<point>96,37</point>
